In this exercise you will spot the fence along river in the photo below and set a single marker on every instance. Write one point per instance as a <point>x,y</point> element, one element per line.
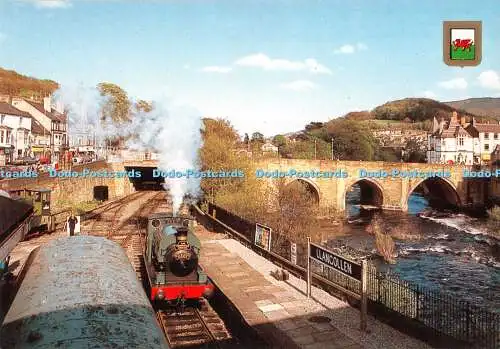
<point>431,312</point>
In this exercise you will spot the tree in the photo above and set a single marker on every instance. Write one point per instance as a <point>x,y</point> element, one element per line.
<point>143,106</point>
<point>279,140</point>
<point>413,152</point>
<point>314,126</point>
<point>246,140</point>
<point>257,137</point>
<point>351,140</point>
<point>117,105</point>
<point>242,196</point>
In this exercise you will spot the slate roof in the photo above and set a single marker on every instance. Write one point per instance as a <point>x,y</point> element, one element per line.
<point>6,108</point>
<point>53,114</point>
<point>37,128</point>
<point>452,130</point>
<point>12,212</point>
<point>493,128</point>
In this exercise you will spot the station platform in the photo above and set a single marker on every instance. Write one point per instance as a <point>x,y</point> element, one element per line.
<point>280,312</point>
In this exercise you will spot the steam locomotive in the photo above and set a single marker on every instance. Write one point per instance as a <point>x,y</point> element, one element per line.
<point>171,262</point>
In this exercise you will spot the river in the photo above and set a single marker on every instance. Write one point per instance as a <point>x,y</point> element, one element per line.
<point>453,254</point>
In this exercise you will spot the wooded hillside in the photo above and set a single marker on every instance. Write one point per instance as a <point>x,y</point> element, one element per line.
<point>15,84</point>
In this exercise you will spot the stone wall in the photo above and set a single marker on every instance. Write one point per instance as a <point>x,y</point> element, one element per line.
<point>75,190</point>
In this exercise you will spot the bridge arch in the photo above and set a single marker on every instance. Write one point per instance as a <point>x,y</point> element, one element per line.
<point>372,192</point>
<point>440,191</point>
<point>310,185</point>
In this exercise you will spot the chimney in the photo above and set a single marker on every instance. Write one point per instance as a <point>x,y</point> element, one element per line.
<point>435,125</point>
<point>60,107</point>
<point>47,104</point>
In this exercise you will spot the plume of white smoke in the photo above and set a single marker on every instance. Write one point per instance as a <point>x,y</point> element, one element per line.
<point>83,106</point>
<point>174,132</point>
<point>171,130</point>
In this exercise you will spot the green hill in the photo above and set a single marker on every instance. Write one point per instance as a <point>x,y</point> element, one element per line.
<point>415,110</point>
<point>488,106</point>
<point>15,84</point>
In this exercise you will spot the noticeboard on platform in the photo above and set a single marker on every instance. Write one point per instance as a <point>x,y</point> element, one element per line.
<point>263,236</point>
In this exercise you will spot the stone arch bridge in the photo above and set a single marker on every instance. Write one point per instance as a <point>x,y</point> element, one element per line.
<point>388,192</point>
<point>385,185</point>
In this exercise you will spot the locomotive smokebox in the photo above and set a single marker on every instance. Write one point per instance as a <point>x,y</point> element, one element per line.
<point>181,258</point>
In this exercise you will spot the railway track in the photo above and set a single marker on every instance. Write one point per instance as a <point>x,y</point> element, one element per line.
<point>195,328</point>
<point>103,218</point>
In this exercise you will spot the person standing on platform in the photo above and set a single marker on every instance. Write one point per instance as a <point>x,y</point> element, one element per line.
<point>72,222</point>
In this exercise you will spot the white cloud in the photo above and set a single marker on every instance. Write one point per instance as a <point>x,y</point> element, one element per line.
<point>299,85</point>
<point>454,84</point>
<point>489,79</point>
<point>349,49</point>
<point>49,3</point>
<point>216,69</point>
<point>261,60</point>
<point>429,94</point>
<point>187,66</point>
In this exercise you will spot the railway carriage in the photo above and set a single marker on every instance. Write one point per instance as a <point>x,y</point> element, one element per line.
<point>42,220</point>
<point>80,292</point>
<point>174,276</point>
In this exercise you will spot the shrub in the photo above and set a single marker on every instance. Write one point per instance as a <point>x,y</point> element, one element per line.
<point>384,242</point>
<point>494,220</point>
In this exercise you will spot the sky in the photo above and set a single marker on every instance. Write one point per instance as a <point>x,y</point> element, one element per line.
<point>265,65</point>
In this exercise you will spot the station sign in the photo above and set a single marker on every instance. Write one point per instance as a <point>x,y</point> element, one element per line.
<point>336,262</point>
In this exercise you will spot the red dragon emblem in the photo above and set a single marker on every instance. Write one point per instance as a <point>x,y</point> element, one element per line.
<point>464,44</point>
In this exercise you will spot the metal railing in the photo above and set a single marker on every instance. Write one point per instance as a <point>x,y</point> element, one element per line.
<point>434,315</point>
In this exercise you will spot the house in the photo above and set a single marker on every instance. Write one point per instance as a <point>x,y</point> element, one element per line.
<point>459,142</point>
<point>269,148</point>
<point>495,156</point>
<point>487,138</point>
<point>15,133</point>
<point>40,139</point>
<point>53,120</point>
<point>495,182</point>
<point>450,142</point>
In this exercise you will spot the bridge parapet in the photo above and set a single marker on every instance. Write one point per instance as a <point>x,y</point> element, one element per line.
<point>392,182</point>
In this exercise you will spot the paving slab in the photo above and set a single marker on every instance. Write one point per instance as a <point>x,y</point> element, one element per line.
<point>281,313</point>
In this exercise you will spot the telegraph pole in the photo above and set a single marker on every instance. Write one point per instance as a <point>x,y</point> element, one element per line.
<point>314,149</point>
<point>332,148</point>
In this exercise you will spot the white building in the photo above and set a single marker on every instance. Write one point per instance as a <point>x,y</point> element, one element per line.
<point>269,148</point>
<point>486,139</point>
<point>459,142</point>
<point>51,120</point>
<point>15,133</point>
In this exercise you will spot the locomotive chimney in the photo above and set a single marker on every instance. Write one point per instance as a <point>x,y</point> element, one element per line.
<point>181,235</point>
